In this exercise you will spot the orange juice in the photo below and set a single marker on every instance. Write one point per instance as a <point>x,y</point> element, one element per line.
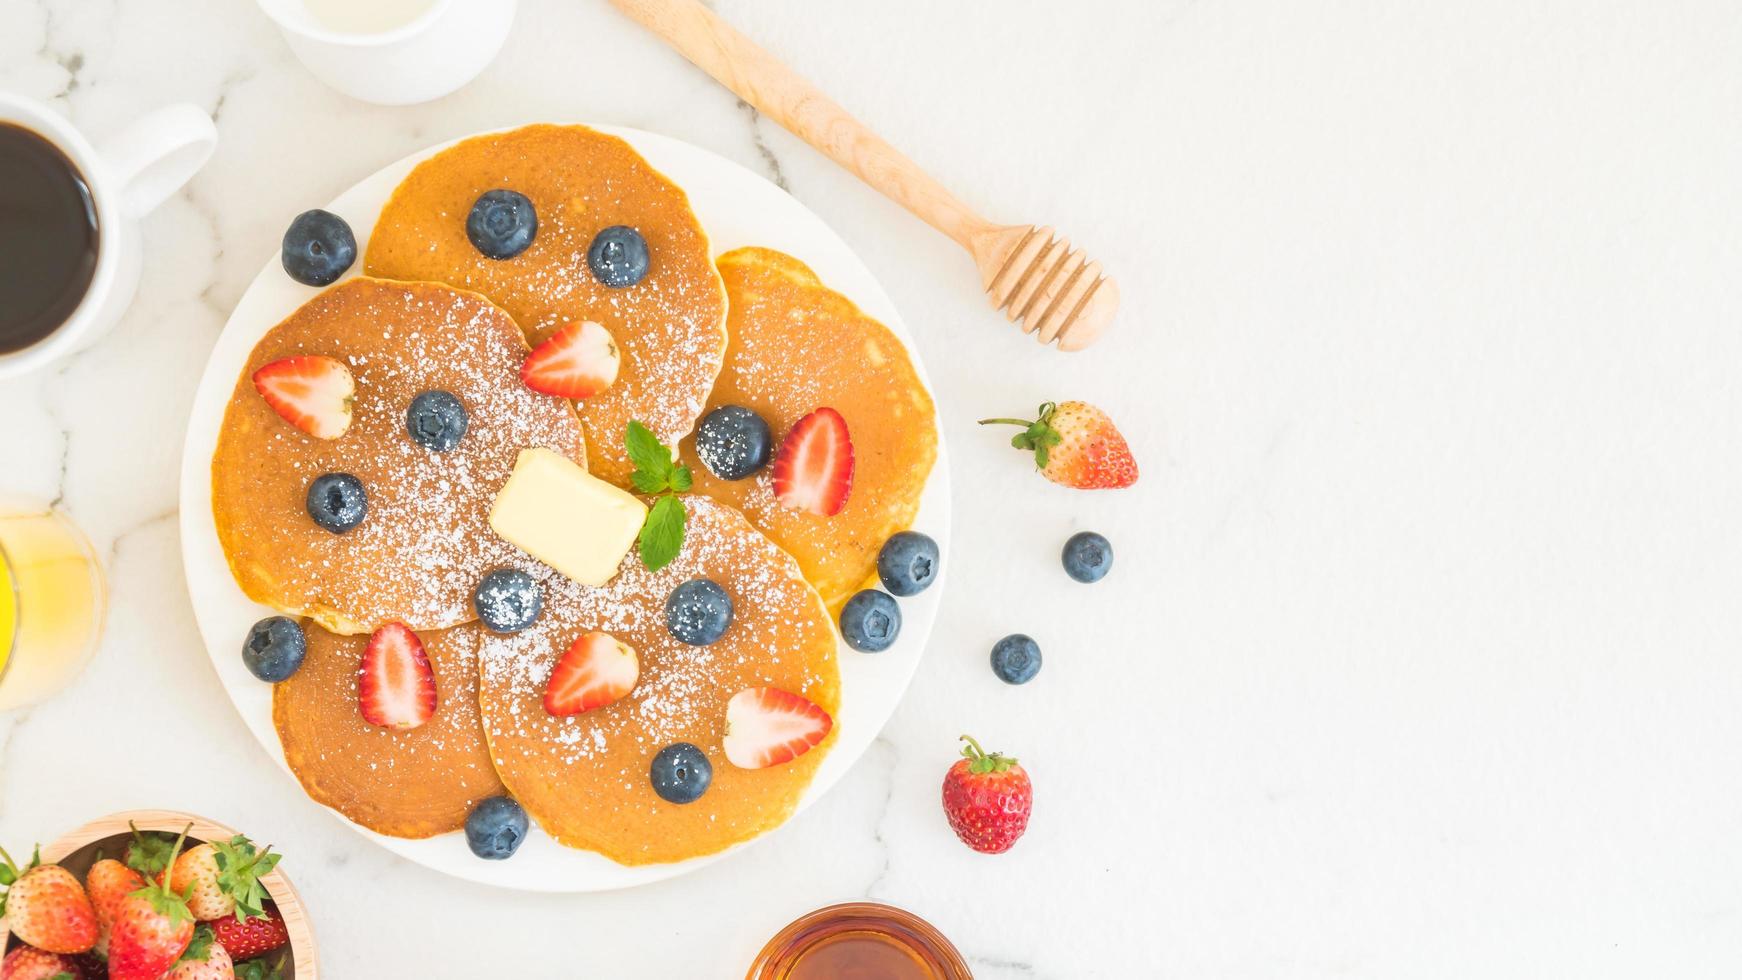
<point>51,603</point>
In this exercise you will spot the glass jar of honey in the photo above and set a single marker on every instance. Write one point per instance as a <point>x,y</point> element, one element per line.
<point>859,941</point>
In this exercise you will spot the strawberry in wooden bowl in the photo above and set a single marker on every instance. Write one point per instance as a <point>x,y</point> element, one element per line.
<point>149,894</point>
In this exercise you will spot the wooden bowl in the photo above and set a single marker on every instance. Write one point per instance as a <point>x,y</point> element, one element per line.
<point>77,851</point>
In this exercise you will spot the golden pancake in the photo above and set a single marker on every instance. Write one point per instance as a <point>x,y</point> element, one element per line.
<point>669,327</point>
<point>585,777</point>
<point>415,783</point>
<point>425,540</point>
<point>797,345</point>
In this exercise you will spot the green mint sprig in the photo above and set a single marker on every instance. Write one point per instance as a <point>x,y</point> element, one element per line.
<point>657,474</point>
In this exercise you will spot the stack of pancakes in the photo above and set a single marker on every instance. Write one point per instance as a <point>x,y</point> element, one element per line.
<point>754,328</point>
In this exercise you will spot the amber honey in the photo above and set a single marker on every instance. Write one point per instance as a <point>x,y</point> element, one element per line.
<point>859,941</point>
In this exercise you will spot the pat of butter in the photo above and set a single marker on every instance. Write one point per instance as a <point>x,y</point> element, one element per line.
<point>565,517</point>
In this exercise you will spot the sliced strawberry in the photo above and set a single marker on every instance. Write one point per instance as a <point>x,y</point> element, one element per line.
<point>395,686</point>
<point>578,361</point>
<point>814,469</point>
<point>596,670</point>
<point>312,393</point>
<point>766,726</point>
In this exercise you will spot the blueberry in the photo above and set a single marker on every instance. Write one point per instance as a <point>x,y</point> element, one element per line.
<point>337,502</point>
<point>318,248</point>
<point>698,612</point>
<point>436,420</point>
<point>908,563</point>
<point>870,621</point>
<point>680,773</point>
<point>508,600</point>
<point>274,649</point>
<point>618,256</point>
<point>495,828</point>
<point>501,224</point>
<point>733,442</point>
<point>1087,556</point>
<point>1016,659</point>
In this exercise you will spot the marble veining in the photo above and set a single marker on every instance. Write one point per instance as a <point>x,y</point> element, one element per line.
<point>1418,659</point>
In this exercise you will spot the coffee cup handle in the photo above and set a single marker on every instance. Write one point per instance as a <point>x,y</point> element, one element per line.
<point>158,153</point>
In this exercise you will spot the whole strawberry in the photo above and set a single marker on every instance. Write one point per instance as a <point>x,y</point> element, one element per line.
<point>1075,444</point>
<point>108,883</point>
<point>46,906</point>
<point>29,963</point>
<point>205,959</point>
<point>248,938</point>
<point>152,929</point>
<point>222,878</point>
<point>987,799</point>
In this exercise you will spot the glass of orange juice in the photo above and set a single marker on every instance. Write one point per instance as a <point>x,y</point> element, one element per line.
<point>51,602</point>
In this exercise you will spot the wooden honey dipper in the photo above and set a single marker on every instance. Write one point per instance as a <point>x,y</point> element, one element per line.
<point>1040,282</point>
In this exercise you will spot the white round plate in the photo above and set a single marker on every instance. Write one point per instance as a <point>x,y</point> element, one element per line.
<point>737,208</point>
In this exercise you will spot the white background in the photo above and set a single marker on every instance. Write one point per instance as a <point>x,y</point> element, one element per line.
<point>1420,657</point>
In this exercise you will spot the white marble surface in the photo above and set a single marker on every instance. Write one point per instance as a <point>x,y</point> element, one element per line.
<point>1421,658</point>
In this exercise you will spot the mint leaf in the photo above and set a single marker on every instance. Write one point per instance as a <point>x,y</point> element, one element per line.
<point>648,483</point>
<point>662,535</point>
<point>646,451</point>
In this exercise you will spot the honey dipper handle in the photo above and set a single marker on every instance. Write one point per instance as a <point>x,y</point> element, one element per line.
<point>783,95</point>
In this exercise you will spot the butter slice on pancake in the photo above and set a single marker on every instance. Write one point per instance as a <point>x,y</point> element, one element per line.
<point>797,345</point>
<point>425,540</point>
<point>669,326</point>
<point>415,783</point>
<point>584,778</point>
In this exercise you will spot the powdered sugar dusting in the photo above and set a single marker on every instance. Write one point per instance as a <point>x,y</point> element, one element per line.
<point>425,541</point>
<point>669,327</point>
<point>585,777</point>
<point>682,691</point>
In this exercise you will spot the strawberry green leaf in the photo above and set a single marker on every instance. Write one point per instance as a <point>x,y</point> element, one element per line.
<point>661,535</point>
<point>980,761</point>
<point>62,975</point>
<point>1037,436</point>
<point>259,969</point>
<point>149,852</point>
<point>240,866</point>
<point>200,947</point>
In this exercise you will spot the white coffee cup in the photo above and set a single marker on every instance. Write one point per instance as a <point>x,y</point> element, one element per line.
<point>425,58</point>
<point>128,178</point>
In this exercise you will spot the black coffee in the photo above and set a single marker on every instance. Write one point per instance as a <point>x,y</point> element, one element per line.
<point>48,237</point>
